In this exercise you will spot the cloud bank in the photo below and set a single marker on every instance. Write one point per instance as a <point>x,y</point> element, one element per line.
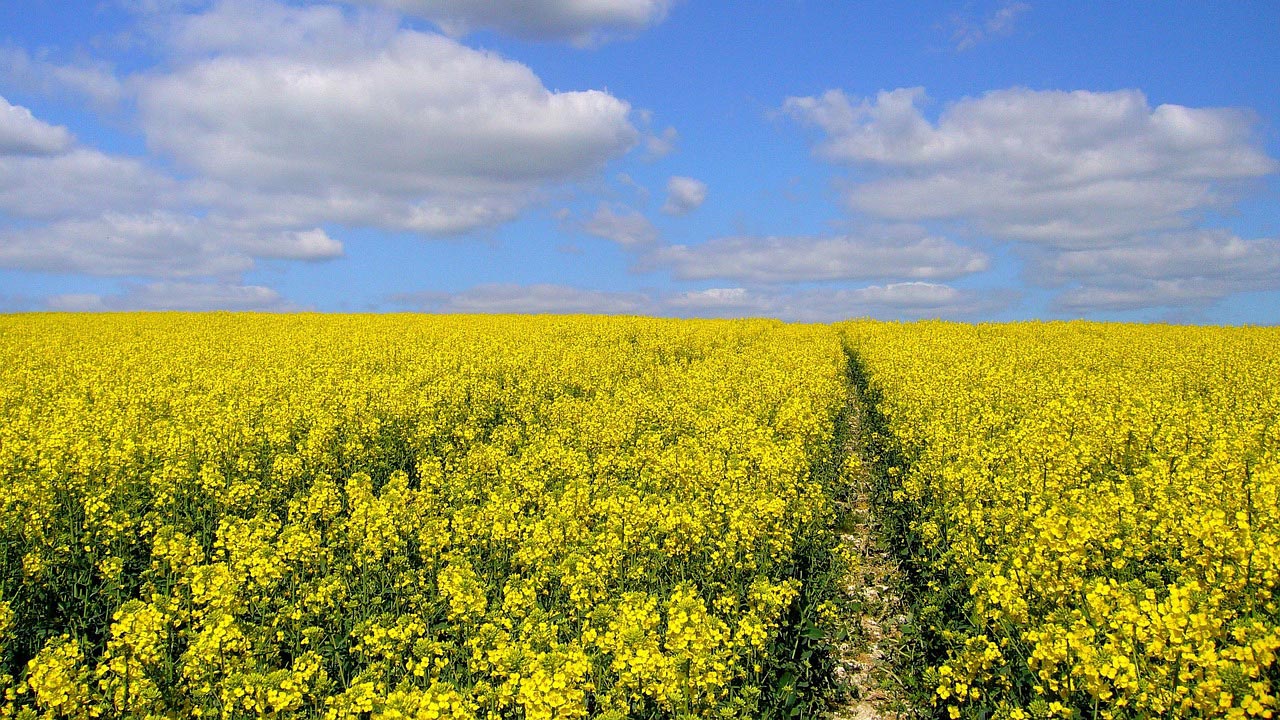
<point>402,131</point>
<point>1077,180</point>
<point>177,296</point>
<point>270,126</point>
<point>908,300</point>
<point>894,253</point>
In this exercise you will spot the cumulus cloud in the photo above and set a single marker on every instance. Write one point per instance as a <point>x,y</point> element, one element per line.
<point>282,119</point>
<point>156,244</point>
<point>439,215</point>
<point>96,82</point>
<point>44,174</point>
<point>182,296</point>
<point>1100,191</point>
<point>582,22</point>
<point>968,32</point>
<point>1182,269</point>
<point>629,228</point>
<point>268,27</point>
<point>903,253</point>
<point>919,299</point>
<point>22,134</point>
<point>659,145</point>
<point>684,195</point>
<point>535,299</point>
<point>86,212</point>
<point>393,129</point>
<point>1063,169</point>
<point>80,182</point>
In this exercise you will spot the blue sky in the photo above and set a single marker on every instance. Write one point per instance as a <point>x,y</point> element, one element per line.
<point>804,160</point>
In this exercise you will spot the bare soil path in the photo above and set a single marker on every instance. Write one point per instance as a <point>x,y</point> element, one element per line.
<point>867,659</point>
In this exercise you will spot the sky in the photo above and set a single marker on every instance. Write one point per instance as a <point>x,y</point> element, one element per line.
<point>810,161</point>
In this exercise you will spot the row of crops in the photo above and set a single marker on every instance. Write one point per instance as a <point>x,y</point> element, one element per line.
<point>1088,513</point>
<point>214,515</point>
<point>516,517</point>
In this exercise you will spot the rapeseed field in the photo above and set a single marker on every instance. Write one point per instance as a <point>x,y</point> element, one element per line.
<point>1090,513</point>
<point>569,517</point>
<point>389,517</point>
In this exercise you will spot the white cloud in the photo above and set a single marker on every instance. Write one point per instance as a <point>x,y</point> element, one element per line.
<point>309,245</point>
<point>157,244</point>
<point>893,301</point>
<point>1063,169</point>
<point>583,22</point>
<point>185,296</point>
<point>1091,214</point>
<point>684,195</point>
<point>908,300</point>
<point>267,27</point>
<point>1176,292</point>
<point>109,215</point>
<point>22,134</point>
<point>914,297</point>
<point>904,300</point>
<point>96,82</point>
<point>437,215</point>
<point>628,182</point>
<point>541,298</point>
<point>657,145</point>
<point>80,182</point>
<point>1204,253</point>
<point>1182,269</point>
<point>287,118</point>
<point>152,7</point>
<point>967,32</point>
<point>400,130</point>
<point>660,145</point>
<point>45,175</point>
<point>903,253</point>
<point>625,226</point>
<point>734,298</point>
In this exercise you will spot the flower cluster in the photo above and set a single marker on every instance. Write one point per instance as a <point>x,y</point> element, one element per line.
<point>1095,511</point>
<point>397,516</point>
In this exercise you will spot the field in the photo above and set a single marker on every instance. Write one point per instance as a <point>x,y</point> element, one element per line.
<point>1089,512</point>
<point>536,517</point>
<point>454,517</point>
